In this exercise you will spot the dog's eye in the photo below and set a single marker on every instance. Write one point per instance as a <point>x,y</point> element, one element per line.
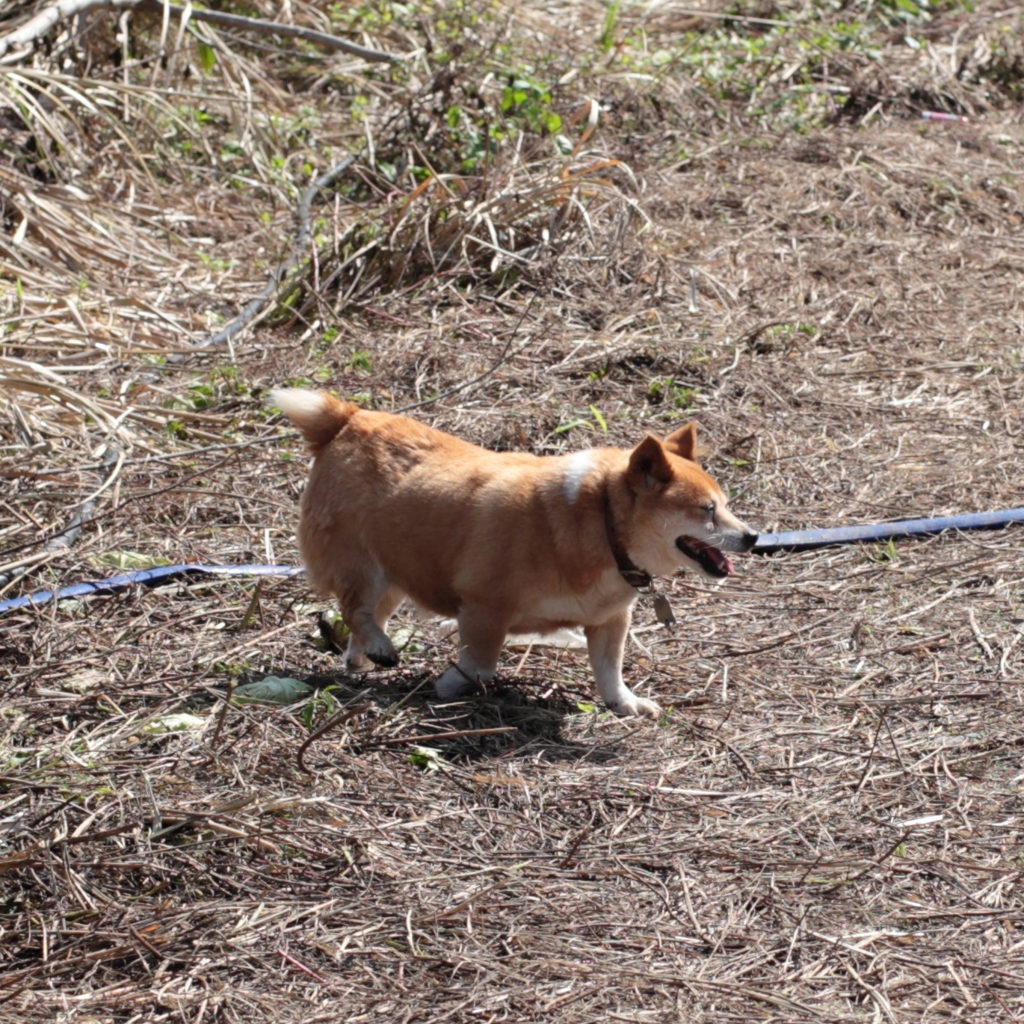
<point>709,508</point>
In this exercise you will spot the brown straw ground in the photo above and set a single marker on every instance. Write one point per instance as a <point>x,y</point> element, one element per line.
<point>825,825</point>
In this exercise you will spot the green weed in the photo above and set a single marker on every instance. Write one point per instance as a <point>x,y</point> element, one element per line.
<point>360,360</point>
<point>666,391</point>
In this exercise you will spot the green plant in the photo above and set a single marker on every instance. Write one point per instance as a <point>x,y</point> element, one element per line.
<point>597,423</point>
<point>886,552</point>
<point>215,263</point>
<point>201,396</point>
<point>787,330</point>
<point>906,12</point>
<point>607,38</point>
<point>666,391</point>
<point>207,57</point>
<point>530,102</point>
<point>319,708</point>
<point>426,758</point>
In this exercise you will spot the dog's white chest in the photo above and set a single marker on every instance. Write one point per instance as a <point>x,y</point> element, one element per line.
<point>586,609</point>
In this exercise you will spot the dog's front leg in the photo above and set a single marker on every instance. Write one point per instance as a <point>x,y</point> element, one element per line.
<point>481,634</point>
<point>605,645</point>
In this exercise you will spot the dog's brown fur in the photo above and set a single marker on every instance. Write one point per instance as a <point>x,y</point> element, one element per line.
<point>504,542</point>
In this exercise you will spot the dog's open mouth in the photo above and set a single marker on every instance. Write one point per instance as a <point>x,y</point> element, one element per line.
<point>710,559</point>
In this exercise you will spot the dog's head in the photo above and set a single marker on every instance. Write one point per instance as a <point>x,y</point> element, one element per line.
<point>680,517</point>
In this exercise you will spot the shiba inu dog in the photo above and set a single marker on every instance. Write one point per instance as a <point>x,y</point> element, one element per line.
<point>504,542</point>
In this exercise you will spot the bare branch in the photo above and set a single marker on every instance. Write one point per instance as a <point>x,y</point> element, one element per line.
<point>279,28</point>
<point>37,27</point>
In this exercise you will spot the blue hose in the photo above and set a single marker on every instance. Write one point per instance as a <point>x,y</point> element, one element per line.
<point>147,577</point>
<point>796,540</point>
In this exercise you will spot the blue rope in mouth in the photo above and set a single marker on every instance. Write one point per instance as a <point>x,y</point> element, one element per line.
<point>805,540</point>
<point>795,540</point>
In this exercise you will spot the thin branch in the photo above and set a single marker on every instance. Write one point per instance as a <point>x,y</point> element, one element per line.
<point>264,27</point>
<point>505,356</point>
<point>257,305</point>
<point>342,716</point>
<point>39,25</point>
<point>113,462</point>
<point>428,737</point>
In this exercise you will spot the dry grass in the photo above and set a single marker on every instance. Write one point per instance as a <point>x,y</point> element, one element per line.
<point>826,826</point>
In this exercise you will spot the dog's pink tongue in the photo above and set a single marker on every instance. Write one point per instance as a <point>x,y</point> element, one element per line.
<point>724,562</point>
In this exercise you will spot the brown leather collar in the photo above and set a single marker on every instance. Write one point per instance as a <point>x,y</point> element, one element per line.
<point>628,569</point>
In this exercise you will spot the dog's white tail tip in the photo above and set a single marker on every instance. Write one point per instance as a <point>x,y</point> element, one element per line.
<point>318,415</point>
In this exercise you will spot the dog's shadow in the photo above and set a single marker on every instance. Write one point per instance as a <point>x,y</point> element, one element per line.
<point>506,720</point>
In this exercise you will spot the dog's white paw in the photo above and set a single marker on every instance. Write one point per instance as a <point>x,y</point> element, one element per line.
<point>632,705</point>
<point>451,683</point>
<point>381,651</point>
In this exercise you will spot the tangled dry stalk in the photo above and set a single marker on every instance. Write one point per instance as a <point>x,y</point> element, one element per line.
<point>742,223</point>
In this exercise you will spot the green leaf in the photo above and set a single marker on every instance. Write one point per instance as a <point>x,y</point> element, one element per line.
<point>360,360</point>
<point>599,419</point>
<point>572,425</point>
<point>128,560</point>
<point>607,39</point>
<point>425,757</point>
<point>272,690</point>
<point>207,58</point>
<point>83,681</point>
<point>180,722</point>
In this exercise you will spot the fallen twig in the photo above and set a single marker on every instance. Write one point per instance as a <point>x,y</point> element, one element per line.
<point>112,462</point>
<point>39,25</point>
<point>505,356</point>
<point>338,719</point>
<point>265,27</point>
<point>429,737</point>
<point>257,305</point>
<point>302,967</point>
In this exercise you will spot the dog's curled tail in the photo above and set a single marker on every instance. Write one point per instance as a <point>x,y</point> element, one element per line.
<point>318,415</point>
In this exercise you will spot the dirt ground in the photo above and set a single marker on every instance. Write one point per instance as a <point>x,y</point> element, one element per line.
<point>827,822</point>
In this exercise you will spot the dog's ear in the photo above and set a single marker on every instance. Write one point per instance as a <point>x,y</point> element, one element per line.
<point>648,463</point>
<point>683,442</point>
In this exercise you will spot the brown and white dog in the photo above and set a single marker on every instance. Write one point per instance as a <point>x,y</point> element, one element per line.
<point>504,542</point>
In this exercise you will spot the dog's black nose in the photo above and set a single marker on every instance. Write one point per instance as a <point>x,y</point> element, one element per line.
<point>749,540</point>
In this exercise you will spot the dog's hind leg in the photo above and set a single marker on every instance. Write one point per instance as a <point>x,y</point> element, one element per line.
<point>481,634</point>
<point>366,608</point>
<point>605,646</point>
